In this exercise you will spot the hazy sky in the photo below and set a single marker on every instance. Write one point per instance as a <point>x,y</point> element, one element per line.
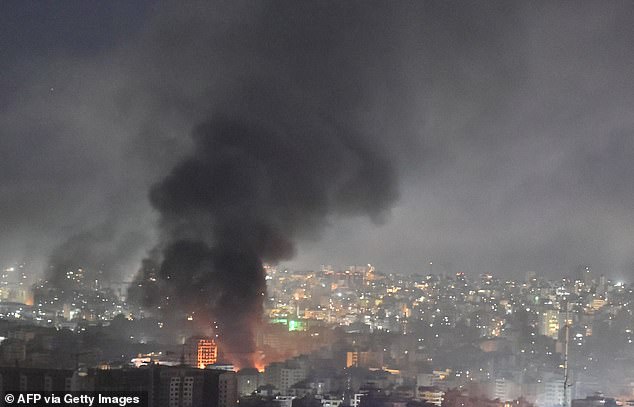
<point>510,125</point>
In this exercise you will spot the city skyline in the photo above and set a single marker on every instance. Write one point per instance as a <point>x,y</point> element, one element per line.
<point>331,203</point>
<point>340,335</point>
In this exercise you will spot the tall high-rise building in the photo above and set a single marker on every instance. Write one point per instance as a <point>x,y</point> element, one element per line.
<point>200,352</point>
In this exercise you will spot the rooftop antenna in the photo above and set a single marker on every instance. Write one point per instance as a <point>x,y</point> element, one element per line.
<point>566,371</point>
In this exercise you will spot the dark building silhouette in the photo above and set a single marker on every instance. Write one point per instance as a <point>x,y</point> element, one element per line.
<point>29,379</point>
<point>165,386</point>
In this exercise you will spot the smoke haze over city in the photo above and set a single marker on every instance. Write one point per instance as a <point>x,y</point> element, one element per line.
<point>508,123</point>
<point>319,203</point>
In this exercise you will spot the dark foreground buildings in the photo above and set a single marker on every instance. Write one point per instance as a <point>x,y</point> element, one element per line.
<point>165,386</point>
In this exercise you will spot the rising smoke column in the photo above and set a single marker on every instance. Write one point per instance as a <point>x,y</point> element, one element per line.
<point>263,173</point>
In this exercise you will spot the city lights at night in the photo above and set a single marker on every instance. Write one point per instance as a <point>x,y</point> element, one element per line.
<point>337,203</point>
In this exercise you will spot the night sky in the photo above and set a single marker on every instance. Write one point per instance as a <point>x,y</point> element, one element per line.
<point>509,126</point>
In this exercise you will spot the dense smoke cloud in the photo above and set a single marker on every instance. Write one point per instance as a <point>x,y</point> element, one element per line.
<point>262,174</point>
<point>502,120</point>
<point>279,153</point>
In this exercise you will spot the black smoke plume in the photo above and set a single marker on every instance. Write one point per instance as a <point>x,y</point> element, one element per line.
<point>262,174</point>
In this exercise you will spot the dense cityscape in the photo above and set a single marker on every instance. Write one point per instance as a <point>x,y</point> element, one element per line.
<point>331,203</point>
<point>337,336</point>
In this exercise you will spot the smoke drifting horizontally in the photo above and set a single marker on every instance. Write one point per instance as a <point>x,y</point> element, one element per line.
<point>259,177</point>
